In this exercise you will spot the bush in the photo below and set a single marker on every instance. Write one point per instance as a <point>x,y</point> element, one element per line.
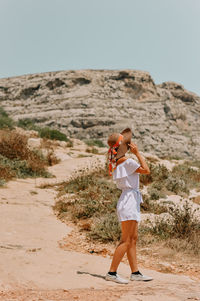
<point>105,229</point>
<point>150,206</point>
<point>95,142</point>
<point>46,132</point>
<point>179,181</point>
<point>84,208</point>
<point>27,124</point>
<point>18,159</point>
<point>52,134</point>
<point>183,226</point>
<point>19,168</point>
<point>188,174</point>
<point>2,182</point>
<point>185,221</point>
<point>5,171</point>
<point>157,190</point>
<point>95,198</point>
<point>158,173</point>
<point>92,150</point>
<point>176,185</point>
<point>5,120</point>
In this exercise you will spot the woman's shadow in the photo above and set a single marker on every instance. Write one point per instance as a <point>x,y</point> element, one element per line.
<point>94,275</point>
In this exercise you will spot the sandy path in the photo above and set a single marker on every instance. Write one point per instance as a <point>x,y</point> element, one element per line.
<point>33,267</point>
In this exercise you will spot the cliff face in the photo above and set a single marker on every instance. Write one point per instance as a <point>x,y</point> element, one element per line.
<point>165,118</point>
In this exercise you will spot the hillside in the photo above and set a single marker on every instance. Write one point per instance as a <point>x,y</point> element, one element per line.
<point>45,256</point>
<point>87,104</point>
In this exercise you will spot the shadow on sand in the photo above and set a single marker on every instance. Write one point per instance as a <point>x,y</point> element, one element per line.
<point>94,275</point>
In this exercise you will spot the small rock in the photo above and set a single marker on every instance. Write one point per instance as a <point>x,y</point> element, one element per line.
<point>34,142</point>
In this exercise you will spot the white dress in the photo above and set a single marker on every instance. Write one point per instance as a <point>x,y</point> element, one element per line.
<point>126,179</point>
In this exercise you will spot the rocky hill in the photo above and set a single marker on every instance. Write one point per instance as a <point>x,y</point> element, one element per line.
<point>87,104</point>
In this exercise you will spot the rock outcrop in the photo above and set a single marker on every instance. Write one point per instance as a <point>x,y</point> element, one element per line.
<point>87,104</point>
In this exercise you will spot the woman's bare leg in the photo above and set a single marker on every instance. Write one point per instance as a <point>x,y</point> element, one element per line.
<point>131,251</point>
<point>121,249</point>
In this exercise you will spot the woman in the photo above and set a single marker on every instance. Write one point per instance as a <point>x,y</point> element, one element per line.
<point>125,173</point>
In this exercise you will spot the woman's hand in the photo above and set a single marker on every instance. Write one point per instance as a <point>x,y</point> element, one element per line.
<point>143,169</point>
<point>133,148</point>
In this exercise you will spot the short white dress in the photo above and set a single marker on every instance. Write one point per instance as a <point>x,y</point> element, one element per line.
<point>126,179</point>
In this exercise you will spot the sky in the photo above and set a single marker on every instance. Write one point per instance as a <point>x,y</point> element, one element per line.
<point>158,36</point>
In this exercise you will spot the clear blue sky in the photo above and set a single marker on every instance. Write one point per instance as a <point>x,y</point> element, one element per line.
<point>158,36</point>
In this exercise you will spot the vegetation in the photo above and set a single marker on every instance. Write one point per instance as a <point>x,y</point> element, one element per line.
<point>93,197</point>
<point>27,124</point>
<point>151,206</point>
<point>5,120</point>
<point>180,230</point>
<point>92,150</point>
<point>30,124</point>
<point>45,132</point>
<point>17,160</point>
<point>95,142</point>
<point>48,133</point>
<point>180,180</point>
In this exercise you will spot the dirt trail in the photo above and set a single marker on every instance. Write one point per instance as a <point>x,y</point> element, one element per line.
<point>33,267</point>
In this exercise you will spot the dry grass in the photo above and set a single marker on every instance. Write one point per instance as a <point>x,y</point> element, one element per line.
<point>92,150</point>
<point>182,228</point>
<point>94,142</point>
<point>93,197</point>
<point>14,146</point>
<point>51,158</point>
<point>16,159</point>
<point>5,121</point>
<point>180,180</point>
<point>197,200</point>
<point>150,206</point>
<point>6,173</point>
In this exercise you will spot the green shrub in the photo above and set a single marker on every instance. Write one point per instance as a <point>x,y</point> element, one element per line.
<point>84,208</point>
<point>157,190</point>
<point>155,194</point>
<point>176,185</point>
<point>105,228</point>
<point>183,226</point>
<point>158,173</point>
<point>5,120</point>
<point>2,182</point>
<point>150,206</point>
<point>95,142</point>
<point>188,174</point>
<point>95,197</point>
<point>20,169</point>
<point>185,221</point>
<point>78,183</point>
<point>44,132</point>
<point>52,134</point>
<point>180,180</point>
<point>92,150</point>
<point>17,160</point>
<point>27,124</point>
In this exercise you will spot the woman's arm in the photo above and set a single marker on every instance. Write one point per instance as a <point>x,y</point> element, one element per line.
<point>143,169</point>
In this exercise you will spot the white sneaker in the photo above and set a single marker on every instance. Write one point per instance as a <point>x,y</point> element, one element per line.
<point>140,277</point>
<point>116,278</point>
